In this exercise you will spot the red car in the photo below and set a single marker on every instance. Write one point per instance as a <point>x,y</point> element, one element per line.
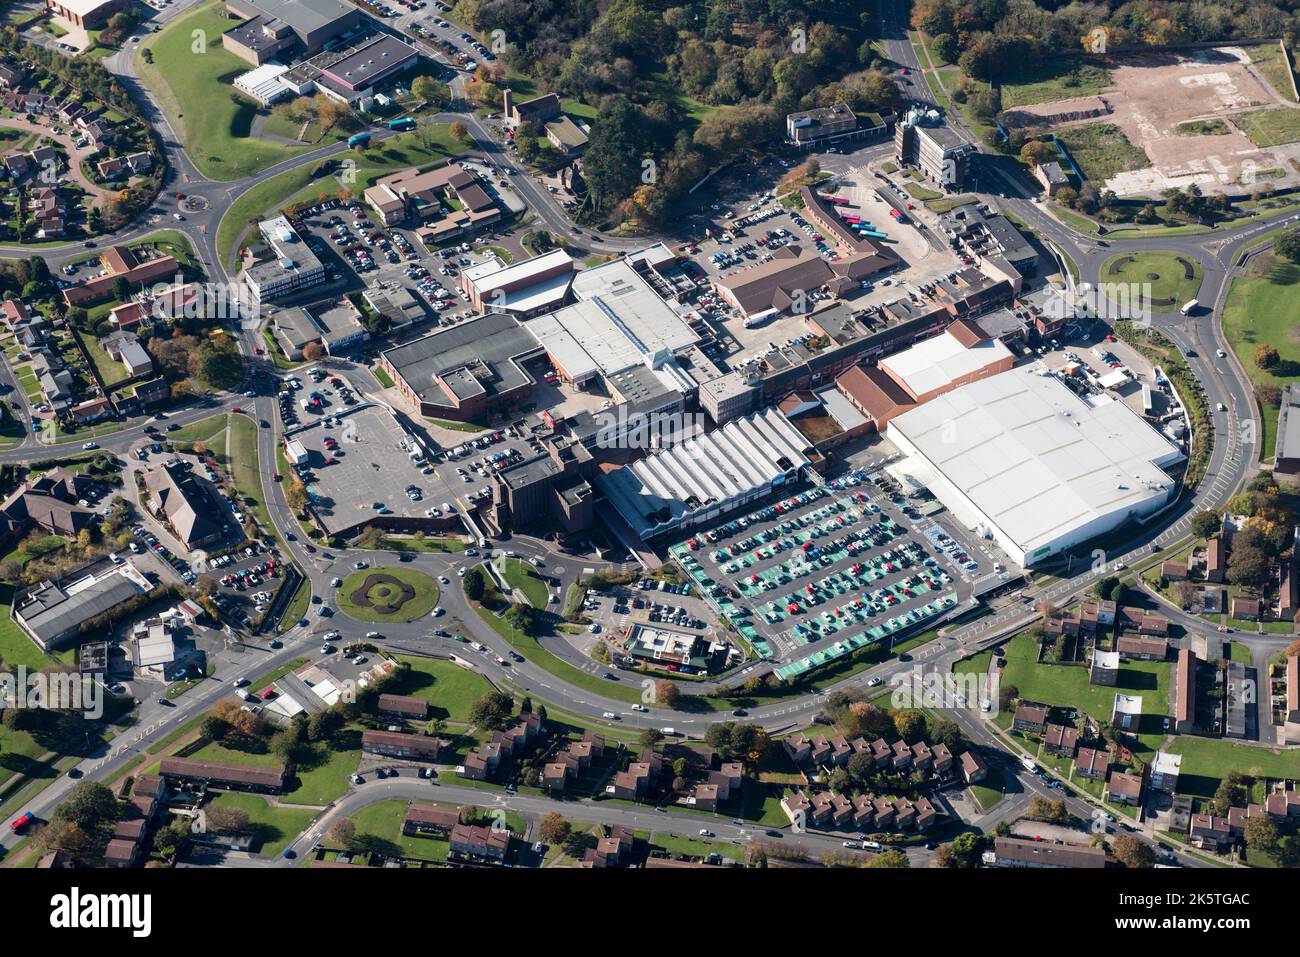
<point>278,477</point>
<point>22,821</point>
<point>236,410</point>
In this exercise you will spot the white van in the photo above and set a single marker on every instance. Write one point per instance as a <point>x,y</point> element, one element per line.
<point>668,732</point>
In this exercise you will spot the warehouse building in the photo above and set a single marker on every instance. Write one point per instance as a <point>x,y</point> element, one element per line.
<point>704,478</point>
<point>51,614</point>
<point>1021,458</point>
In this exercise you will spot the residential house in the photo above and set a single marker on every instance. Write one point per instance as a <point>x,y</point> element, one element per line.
<point>1061,739</point>
<point>479,843</point>
<point>1124,787</point>
<point>396,744</point>
<point>1030,717</point>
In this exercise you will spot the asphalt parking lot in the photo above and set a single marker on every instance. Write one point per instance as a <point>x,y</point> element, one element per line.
<point>822,571</point>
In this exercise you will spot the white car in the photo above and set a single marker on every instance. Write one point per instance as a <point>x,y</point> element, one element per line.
<point>639,707</point>
<point>90,445</point>
<point>240,682</point>
<point>609,716</point>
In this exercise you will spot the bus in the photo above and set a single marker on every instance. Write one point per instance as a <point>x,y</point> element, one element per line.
<point>406,123</point>
<point>1190,307</point>
<point>359,139</point>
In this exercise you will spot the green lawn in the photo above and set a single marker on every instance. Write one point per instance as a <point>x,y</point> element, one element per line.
<point>243,468</point>
<point>1057,78</point>
<point>1174,279</point>
<point>196,90</point>
<point>450,689</point>
<point>1206,760</point>
<point>1271,127</point>
<point>15,647</point>
<point>213,751</point>
<point>989,791</point>
<point>324,777</point>
<point>1067,686</point>
<point>379,826</point>
<point>382,377</point>
<point>1263,307</point>
<point>274,828</point>
<point>352,603</point>
<point>1101,150</point>
<point>521,577</point>
<point>696,847</point>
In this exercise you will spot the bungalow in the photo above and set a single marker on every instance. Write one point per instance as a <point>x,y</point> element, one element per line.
<point>427,818</point>
<point>1173,571</point>
<point>1244,609</point>
<point>1143,647</point>
<point>1019,852</point>
<point>1216,562</point>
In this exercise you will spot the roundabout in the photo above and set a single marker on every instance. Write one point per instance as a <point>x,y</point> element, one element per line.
<point>387,594</point>
<point>1174,278</point>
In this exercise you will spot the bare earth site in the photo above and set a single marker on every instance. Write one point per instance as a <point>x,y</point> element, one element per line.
<point>1166,104</point>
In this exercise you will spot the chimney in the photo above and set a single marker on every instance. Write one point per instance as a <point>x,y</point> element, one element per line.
<point>507,104</point>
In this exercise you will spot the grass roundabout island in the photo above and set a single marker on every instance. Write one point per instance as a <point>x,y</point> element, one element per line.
<point>387,594</point>
<point>1174,278</point>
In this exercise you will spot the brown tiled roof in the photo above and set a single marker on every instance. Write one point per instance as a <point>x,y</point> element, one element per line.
<point>404,704</point>
<point>874,393</point>
<point>220,772</point>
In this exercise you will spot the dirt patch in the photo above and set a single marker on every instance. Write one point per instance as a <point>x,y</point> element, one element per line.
<point>1153,95</point>
<point>382,593</point>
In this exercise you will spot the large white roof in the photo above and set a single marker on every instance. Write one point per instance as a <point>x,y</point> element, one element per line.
<point>937,362</point>
<point>709,474</point>
<point>1035,459</point>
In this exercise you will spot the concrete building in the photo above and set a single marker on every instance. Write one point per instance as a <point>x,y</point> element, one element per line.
<point>86,14</point>
<point>524,289</point>
<point>1286,457</point>
<point>285,267</point>
<point>923,140</point>
<point>336,326</point>
<point>275,27</point>
<point>465,372</point>
<point>825,123</point>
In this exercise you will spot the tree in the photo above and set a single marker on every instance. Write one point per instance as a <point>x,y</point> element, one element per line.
<point>648,738</point>
<point>1261,834</point>
<point>944,46</point>
<point>1248,566</point>
<point>459,132</point>
<point>342,831</point>
<point>911,725</point>
<point>90,805</point>
<point>1266,356</point>
<point>1132,852</point>
<point>474,584</point>
<point>312,351</point>
<point>1205,524</point>
<point>1104,586</point>
<point>554,829</point>
<point>667,693</point>
<point>226,820</point>
<point>1287,246</point>
<point>492,711</point>
<point>433,93</point>
<point>467,813</point>
<point>1184,593</point>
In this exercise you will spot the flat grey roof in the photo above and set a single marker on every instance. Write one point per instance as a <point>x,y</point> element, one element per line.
<point>49,610</point>
<point>302,16</point>
<point>498,341</point>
